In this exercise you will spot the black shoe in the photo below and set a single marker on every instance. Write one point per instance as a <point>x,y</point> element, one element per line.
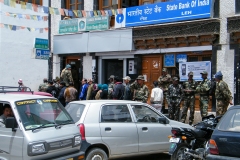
<point>190,123</point>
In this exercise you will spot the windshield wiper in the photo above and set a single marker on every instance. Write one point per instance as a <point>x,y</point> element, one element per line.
<point>67,122</point>
<point>42,126</point>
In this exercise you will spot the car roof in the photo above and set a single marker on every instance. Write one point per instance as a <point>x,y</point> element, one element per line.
<point>106,101</point>
<point>19,97</point>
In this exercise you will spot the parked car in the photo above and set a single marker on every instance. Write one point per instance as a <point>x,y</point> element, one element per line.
<point>117,128</point>
<point>37,127</point>
<point>14,90</point>
<point>225,140</point>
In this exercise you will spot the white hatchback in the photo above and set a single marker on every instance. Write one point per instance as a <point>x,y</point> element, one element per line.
<point>117,128</point>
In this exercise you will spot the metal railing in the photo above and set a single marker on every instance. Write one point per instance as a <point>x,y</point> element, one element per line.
<point>7,89</point>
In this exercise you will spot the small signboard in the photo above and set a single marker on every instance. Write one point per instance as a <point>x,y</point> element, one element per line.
<point>83,24</point>
<point>41,43</point>
<point>181,58</point>
<point>41,54</point>
<point>169,60</point>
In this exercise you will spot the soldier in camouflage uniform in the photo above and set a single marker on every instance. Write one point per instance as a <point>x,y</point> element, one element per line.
<point>189,88</point>
<point>223,95</point>
<point>140,90</point>
<point>66,75</point>
<point>164,81</point>
<point>43,87</point>
<point>174,98</point>
<point>111,86</point>
<point>203,89</point>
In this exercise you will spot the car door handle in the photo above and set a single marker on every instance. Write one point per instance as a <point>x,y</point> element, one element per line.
<point>144,128</point>
<point>108,129</point>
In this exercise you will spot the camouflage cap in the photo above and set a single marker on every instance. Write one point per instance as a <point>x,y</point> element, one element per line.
<point>57,78</point>
<point>111,77</point>
<point>204,72</point>
<point>164,69</point>
<point>140,77</point>
<point>175,78</point>
<point>190,73</point>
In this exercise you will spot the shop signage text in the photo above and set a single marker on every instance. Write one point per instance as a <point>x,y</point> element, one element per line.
<point>165,12</point>
<point>83,24</point>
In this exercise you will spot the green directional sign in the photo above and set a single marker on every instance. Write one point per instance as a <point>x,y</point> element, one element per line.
<point>41,43</point>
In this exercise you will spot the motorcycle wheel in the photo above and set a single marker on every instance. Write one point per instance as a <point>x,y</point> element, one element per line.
<point>179,153</point>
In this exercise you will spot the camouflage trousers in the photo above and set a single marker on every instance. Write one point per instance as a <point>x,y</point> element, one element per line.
<point>189,102</point>
<point>164,101</point>
<point>221,108</point>
<point>174,109</point>
<point>204,105</point>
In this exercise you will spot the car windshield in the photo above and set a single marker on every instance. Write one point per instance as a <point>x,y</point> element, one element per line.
<point>230,121</point>
<point>35,113</point>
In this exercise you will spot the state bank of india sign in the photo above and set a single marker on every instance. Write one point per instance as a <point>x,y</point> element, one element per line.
<point>165,12</point>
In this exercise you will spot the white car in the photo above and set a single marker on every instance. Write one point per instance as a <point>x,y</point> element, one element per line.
<point>117,128</point>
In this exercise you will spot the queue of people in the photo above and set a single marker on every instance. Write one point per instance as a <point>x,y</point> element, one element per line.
<point>166,90</point>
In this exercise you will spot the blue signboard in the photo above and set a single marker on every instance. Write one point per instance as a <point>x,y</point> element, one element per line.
<point>164,12</point>
<point>169,60</point>
<point>181,58</point>
<point>42,54</point>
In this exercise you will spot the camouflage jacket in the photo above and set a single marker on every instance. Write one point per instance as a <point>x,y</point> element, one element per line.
<point>110,90</point>
<point>174,91</point>
<point>43,87</point>
<point>164,82</point>
<point>140,92</point>
<point>189,87</point>
<point>222,91</point>
<point>204,87</point>
<point>66,76</point>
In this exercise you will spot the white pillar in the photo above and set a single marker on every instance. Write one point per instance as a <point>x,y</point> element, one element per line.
<point>87,66</point>
<point>225,56</point>
<point>88,5</point>
<point>54,31</point>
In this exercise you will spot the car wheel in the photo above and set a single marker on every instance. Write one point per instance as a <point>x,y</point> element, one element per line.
<point>96,154</point>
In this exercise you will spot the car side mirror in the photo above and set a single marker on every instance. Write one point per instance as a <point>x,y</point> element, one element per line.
<point>163,120</point>
<point>11,123</point>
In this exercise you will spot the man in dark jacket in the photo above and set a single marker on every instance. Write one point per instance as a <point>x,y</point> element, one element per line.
<point>52,89</point>
<point>118,90</point>
<point>61,94</point>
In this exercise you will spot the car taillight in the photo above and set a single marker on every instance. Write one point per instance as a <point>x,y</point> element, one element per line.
<point>213,147</point>
<point>175,132</point>
<point>82,131</point>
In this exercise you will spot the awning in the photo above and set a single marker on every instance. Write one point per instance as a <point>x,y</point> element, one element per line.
<point>97,41</point>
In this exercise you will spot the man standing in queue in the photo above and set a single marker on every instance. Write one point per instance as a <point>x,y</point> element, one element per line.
<point>140,90</point>
<point>203,89</point>
<point>222,94</point>
<point>189,88</point>
<point>164,81</point>
<point>174,98</point>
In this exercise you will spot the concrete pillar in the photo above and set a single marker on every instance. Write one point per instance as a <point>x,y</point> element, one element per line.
<point>54,31</point>
<point>225,56</point>
<point>88,5</point>
<point>87,66</point>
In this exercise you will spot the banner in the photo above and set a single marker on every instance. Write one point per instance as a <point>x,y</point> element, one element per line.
<point>196,68</point>
<point>165,12</point>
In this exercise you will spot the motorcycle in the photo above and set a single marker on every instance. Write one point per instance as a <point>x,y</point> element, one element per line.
<point>189,144</point>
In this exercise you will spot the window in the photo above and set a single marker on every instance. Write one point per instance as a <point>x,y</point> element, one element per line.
<point>144,114</point>
<point>75,110</point>
<point>231,121</point>
<point>39,2</point>
<point>115,113</point>
<point>237,6</point>
<point>144,2</point>
<point>75,4</point>
<point>109,4</point>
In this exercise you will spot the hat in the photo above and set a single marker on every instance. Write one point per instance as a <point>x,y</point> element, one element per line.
<point>57,78</point>
<point>190,73</point>
<point>218,75</point>
<point>164,69</point>
<point>112,76</point>
<point>175,79</point>
<point>141,77</point>
<point>68,66</point>
<point>89,80</point>
<point>20,81</point>
<point>127,78</point>
<point>204,72</point>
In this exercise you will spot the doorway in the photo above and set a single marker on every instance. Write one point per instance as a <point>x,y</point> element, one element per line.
<point>112,67</point>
